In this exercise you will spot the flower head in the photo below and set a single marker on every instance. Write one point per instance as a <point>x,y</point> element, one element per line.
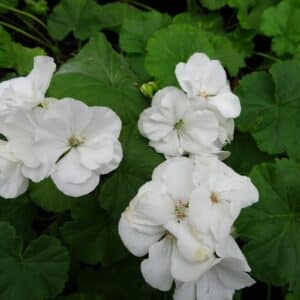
<point>82,143</point>
<point>27,92</point>
<point>205,82</point>
<point>174,127</point>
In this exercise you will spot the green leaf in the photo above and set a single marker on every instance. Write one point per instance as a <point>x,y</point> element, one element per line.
<point>100,76</point>
<point>113,15</point>
<point>243,146</point>
<point>271,228</point>
<point>136,31</point>
<point>39,7</point>
<point>19,212</point>
<point>250,11</point>
<point>45,195</point>
<point>134,171</point>
<point>214,4</point>
<point>81,17</point>
<point>172,45</point>
<point>11,3</point>
<point>36,273</point>
<point>16,56</point>
<point>93,236</point>
<point>271,104</point>
<point>282,23</point>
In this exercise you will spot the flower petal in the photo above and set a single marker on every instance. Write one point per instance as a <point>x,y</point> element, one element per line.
<point>156,268</point>
<point>135,241</point>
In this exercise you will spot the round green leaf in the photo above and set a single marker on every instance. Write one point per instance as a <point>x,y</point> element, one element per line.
<point>172,45</point>
<point>39,272</point>
<point>136,31</point>
<point>81,17</point>
<point>46,195</point>
<point>271,228</point>
<point>271,106</point>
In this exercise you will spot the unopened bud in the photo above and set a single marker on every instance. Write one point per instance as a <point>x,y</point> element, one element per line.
<point>148,89</point>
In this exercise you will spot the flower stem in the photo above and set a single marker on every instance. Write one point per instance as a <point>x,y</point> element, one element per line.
<point>17,11</point>
<point>141,5</point>
<point>269,292</point>
<point>268,56</point>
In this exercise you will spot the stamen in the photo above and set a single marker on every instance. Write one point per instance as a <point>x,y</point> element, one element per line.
<point>181,210</point>
<point>75,141</point>
<point>179,125</point>
<point>214,197</point>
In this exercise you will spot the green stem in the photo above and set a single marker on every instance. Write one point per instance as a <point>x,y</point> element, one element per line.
<point>10,26</point>
<point>35,30</point>
<point>268,56</point>
<point>141,5</point>
<point>24,13</point>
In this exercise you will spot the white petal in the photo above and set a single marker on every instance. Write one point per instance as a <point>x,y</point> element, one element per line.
<point>97,151</point>
<point>232,278</point>
<point>185,271</point>
<point>214,78</point>
<point>136,242</point>
<point>104,122</point>
<point>156,269</point>
<point>200,128</point>
<point>185,291</point>
<point>76,189</point>
<point>176,174</point>
<point>112,164</point>
<point>70,170</point>
<point>228,248</point>
<point>74,113</point>
<point>40,76</point>
<point>12,181</point>
<point>39,173</point>
<point>228,104</point>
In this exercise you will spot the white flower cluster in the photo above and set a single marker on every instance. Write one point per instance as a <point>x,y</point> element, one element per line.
<point>183,218</point>
<point>64,139</point>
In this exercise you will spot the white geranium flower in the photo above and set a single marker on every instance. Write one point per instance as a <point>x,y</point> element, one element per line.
<point>205,82</point>
<point>219,283</point>
<point>222,193</point>
<point>12,181</point>
<point>27,92</point>
<point>81,141</point>
<point>19,130</point>
<point>174,127</point>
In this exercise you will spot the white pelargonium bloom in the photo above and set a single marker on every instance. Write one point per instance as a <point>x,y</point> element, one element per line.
<point>174,127</point>
<point>219,283</point>
<point>223,194</point>
<point>27,92</point>
<point>205,83</point>
<point>160,220</point>
<point>81,141</point>
<point>19,130</point>
<point>12,181</point>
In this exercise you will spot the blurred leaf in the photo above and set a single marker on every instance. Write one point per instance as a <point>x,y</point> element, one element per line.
<point>19,212</point>
<point>282,23</point>
<point>11,3</point>
<point>271,227</point>
<point>271,104</point>
<point>16,56</point>
<point>37,272</point>
<point>93,236</point>
<point>39,7</point>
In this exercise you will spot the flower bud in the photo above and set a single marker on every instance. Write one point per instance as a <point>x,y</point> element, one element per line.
<point>148,89</point>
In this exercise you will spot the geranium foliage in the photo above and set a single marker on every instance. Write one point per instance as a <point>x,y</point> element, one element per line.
<point>124,56</point>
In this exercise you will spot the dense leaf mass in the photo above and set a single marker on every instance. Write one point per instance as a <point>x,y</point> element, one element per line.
<point>116,54</point>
